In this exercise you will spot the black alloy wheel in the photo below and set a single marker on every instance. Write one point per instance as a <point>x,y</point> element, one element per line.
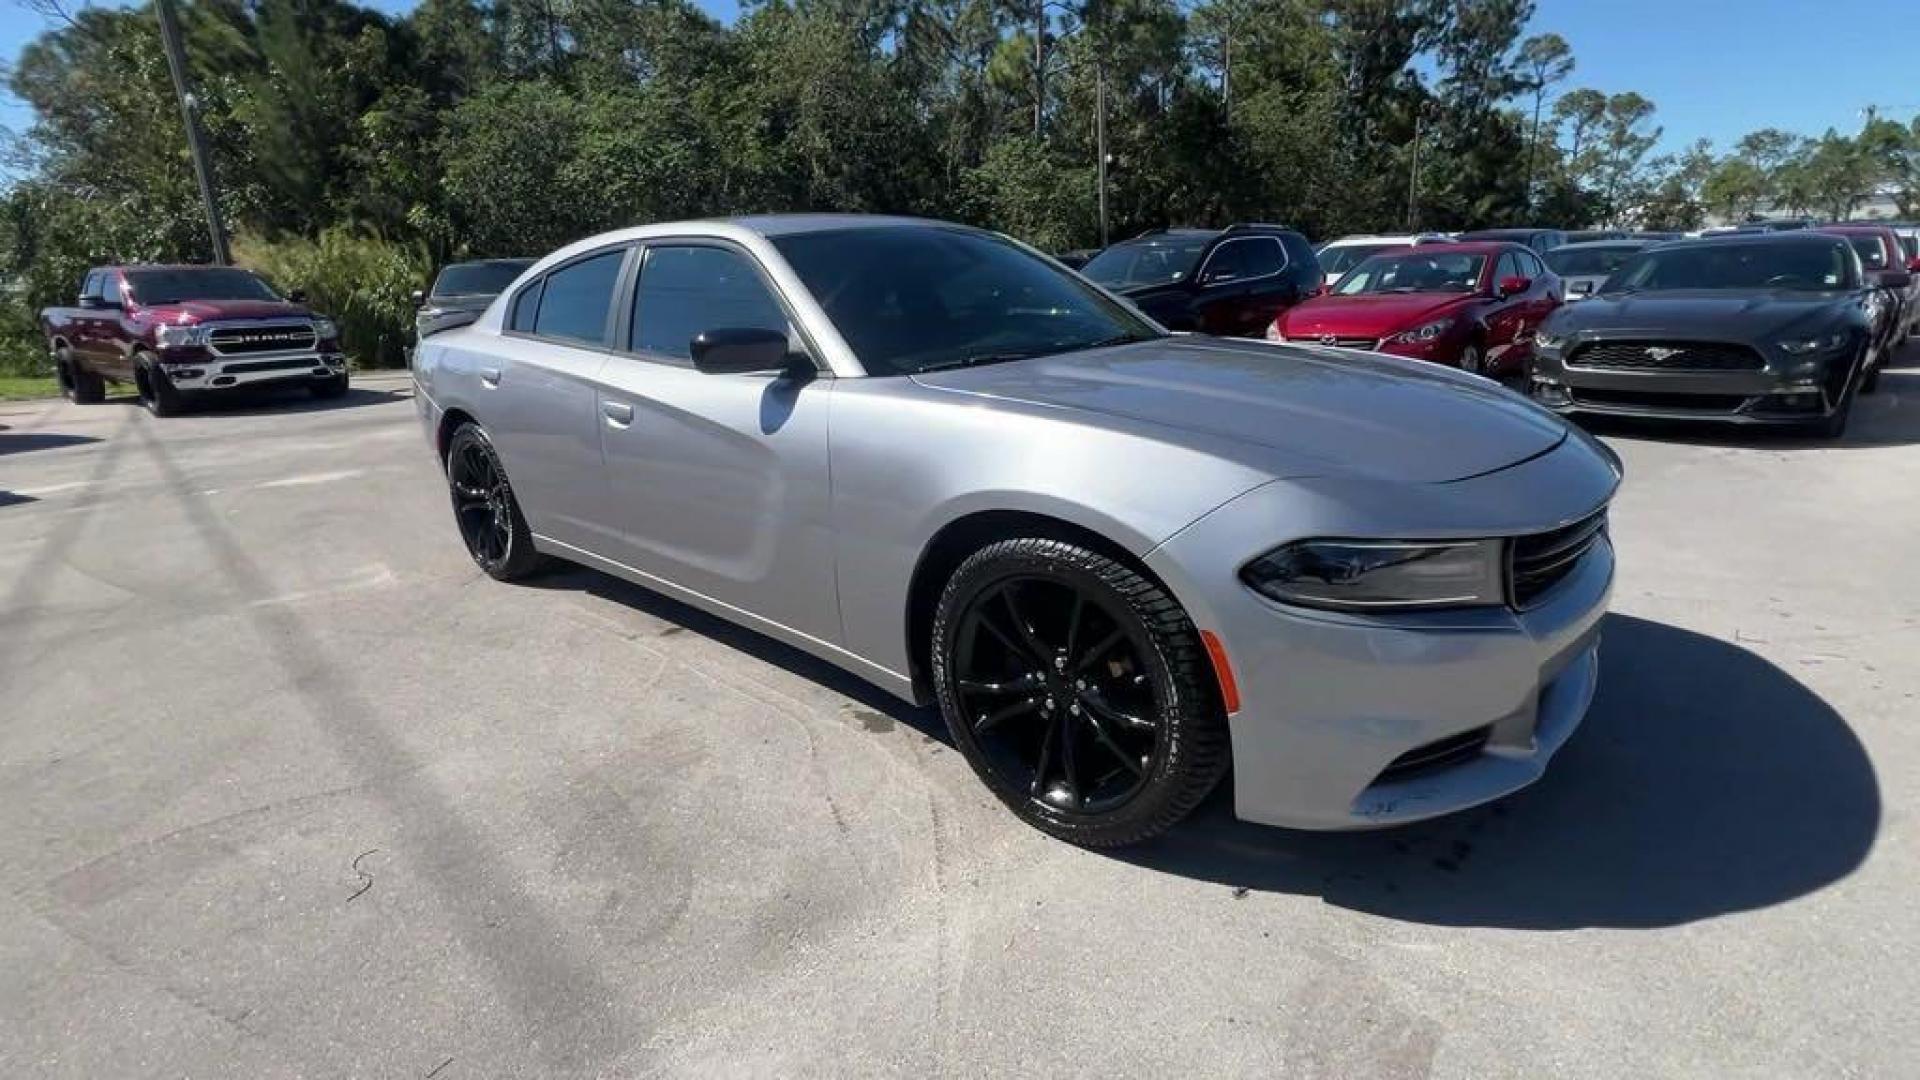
<point>77,384</point>
<point>484,509</point>
<point>1077,690</point>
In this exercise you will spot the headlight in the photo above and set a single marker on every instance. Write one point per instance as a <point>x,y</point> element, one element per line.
<point>1806,346</point>
<point>180,337</point>
<point>1372,575</point>
<point>1423,334</point>
<point>1544,340</point>
<point>325,330</point>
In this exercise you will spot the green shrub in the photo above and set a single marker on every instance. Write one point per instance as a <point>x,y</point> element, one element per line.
<point>361,281</point>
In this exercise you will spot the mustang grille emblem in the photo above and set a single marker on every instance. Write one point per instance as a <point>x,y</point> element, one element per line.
<point>1660,353</point>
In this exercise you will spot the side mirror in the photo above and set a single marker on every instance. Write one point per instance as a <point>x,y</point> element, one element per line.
<point>298,296</point>
<point>1516,284</point>
<point>1895,279</point>
<point>419,298</point>
<point>91,303</point>
<point>740,350</point>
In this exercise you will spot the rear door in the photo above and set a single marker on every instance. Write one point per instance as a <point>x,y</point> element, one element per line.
<point>113,337</point>
<point>533,388</point>
<point>84,329</point>
<point>1243,286</point>
<point>718,483</point>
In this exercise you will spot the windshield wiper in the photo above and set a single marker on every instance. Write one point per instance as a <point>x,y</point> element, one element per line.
<point>977,360</point>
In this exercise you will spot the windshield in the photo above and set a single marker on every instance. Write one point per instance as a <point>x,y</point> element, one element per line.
<point>478,278</point>
<point>917,298</point>
<point>1589,262</point>
<point>174,284</point>
<point>1414,272</point>
<point>1146,262</point>
<point>1340,258</point>
<point>1778,265</point>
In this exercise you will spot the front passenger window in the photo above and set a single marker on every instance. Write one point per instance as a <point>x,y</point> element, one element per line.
<point>688,290</point>
<point>577,298</point>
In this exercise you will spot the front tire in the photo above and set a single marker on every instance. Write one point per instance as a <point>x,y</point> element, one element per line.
<point>157,392</point>
<point>331,387</point>
<point>1078,691</point>
<point>1834,424</point>
<point>491,525</point>
<point>1472,360</point>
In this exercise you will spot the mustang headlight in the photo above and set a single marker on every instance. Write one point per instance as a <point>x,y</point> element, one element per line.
<point>1421,335</point>
<point>1551,342</point>
<point>324,329</point>
<point>1807,346</point>
<point>181,337</point>
<point>1375,575</point>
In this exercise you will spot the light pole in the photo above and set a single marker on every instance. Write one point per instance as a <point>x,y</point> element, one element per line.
<point>1100,141</point>
<point>1413,179</point>
<point>190,116</point>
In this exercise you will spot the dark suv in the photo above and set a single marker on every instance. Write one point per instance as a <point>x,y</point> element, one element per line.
<point>1229,282</point>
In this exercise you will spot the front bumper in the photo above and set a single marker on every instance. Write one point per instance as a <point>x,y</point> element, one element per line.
<point>1784,391</point>
<point>1334,705</point>
<point>212,372</point>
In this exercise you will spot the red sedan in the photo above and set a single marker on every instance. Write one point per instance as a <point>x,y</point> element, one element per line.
<point>1471,306</point>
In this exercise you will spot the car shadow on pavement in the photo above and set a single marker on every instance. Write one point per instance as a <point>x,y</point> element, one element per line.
<point>881,706</point>
<point>1704,781</point>
<point>274,401</point>
<point>20,442</point>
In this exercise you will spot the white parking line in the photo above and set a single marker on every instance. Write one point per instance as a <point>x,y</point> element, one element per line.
<point>313,478</point>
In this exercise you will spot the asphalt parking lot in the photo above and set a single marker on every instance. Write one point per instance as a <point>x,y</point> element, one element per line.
<point>287,788</point>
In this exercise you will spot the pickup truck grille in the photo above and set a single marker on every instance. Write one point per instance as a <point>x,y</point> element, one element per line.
<point>252,340</point>
<point>1669,356</point>
<point>1537,563</point>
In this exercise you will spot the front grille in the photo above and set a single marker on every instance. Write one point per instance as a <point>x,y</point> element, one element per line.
<point>298,362</point>
<point>1642,399</point>
<point>1366,343</point>
<point>1538,562</point>
<point>246,340</point>
<point>1665,356</point>
<point>1435,755</point>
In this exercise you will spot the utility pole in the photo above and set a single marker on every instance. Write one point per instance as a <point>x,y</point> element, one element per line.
<point>1413,181</point>
<point>1100,141</point>
<point>1533,147</point>
<point>1039,66</point>
<point>189,114</point>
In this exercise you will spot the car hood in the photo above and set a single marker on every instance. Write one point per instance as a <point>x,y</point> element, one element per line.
<point>187,312</point>
<point>1721,314</point>
<point>1373,316</point>
<point>1314,412</point>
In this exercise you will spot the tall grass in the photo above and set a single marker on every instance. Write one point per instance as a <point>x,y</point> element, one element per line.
<point>361,281</point>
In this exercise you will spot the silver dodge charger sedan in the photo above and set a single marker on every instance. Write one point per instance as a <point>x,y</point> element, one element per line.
<point>1122,561</point>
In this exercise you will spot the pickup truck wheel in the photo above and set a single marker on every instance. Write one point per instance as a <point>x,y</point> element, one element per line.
<point>156,390</point>
<point>489,517</point>
<point>77,384</point>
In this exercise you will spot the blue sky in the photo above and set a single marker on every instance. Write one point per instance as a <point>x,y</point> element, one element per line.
<point>1715,68</point>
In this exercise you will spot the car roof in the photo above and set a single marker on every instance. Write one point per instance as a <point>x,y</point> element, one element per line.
<point>1618,241</point>
<point>1496,234</point>
<point>1855,228</point>
<point>1794,236</point>
<point>771,225</point>
<point>1465,247</point>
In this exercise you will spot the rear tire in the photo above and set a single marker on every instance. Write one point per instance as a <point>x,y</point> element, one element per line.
<point>77,384</point>
<point>485,511</point>
<point>1078,690</point>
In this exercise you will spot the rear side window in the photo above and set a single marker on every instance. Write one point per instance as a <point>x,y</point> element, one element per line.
<point>110,288</point>
<point>687,290</point>
<point>1244,259</point>
<point>525,307</point>
<point>577,298</point>
<point>91,286</point>
<point>1509,267</point>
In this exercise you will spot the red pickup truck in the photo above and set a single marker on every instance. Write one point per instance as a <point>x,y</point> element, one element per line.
<point>176,332</point>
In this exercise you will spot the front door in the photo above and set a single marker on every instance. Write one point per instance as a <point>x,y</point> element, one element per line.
<point>718,483</point>
<point>1242,286</point>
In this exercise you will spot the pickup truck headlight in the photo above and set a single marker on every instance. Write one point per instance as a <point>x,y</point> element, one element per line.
<point>182,337</point>
<point>325,330</point>
<point>1807,346</point>
<point>1380,575</point>
<point>1423,334</point>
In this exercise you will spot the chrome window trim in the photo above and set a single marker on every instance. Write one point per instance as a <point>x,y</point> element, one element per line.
<point>1286,260</point>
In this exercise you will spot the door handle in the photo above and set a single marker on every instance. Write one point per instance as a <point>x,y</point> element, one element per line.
<point>490,376</point>
<point>618,413</point>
